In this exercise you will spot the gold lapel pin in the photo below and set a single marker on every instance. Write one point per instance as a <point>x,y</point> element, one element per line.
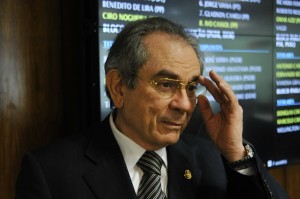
<point>187,174</point>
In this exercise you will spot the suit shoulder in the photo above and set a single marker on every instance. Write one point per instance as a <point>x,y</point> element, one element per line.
<point>66,147</point>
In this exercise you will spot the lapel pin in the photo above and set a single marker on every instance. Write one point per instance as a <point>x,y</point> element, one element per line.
<point>187,174</point>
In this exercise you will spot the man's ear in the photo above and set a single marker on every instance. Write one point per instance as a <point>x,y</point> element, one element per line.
<point>115,85</point>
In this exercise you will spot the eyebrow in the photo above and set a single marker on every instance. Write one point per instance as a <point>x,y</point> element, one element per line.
<point>171,75</point>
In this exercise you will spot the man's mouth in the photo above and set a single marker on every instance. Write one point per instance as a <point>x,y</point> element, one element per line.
<point>169,124</point>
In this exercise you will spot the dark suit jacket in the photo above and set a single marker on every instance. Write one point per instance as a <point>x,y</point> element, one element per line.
<point>90,165</point>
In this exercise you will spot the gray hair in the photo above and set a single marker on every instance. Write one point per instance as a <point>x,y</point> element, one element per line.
<point>128,52</point>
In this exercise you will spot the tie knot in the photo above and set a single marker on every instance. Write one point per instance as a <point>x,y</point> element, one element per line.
<point>150,162</point>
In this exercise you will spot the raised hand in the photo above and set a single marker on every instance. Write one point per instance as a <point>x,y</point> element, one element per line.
<point>226,127</point>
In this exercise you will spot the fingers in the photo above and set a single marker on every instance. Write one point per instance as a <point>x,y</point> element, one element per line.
<point>219,88</point>
<point>205,108</point>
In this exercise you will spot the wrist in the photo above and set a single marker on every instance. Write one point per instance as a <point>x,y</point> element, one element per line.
<point>246,161</point>
<point>236,154</point>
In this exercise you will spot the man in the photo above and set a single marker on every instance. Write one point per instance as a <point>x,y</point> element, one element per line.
<point>153,72</point>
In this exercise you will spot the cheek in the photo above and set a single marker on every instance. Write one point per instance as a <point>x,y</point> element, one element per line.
<point>145,106</point>
<point>153,110</point>
<point>142,106</point>
<point>150,101</point>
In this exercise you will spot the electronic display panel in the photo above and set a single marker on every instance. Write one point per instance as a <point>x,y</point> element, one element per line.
<point>252,44</point>
<point>286,67</point>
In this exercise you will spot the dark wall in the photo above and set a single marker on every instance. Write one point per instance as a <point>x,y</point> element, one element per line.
<point>48,81</point>
<point>31,95</point>
<point>46,87</point>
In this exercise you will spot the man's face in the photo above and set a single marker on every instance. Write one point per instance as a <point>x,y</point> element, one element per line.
<point>147,117</point>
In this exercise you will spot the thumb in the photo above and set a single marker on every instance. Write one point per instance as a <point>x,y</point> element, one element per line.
<point>205,108</point>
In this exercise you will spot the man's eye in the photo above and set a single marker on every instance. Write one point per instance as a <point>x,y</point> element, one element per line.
<point>164,84</point>
<point>192,87</point>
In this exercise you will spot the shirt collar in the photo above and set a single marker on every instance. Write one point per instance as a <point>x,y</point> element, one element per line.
<point>130,150</point>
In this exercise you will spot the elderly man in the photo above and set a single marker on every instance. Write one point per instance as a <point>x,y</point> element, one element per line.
<point>153,78</point>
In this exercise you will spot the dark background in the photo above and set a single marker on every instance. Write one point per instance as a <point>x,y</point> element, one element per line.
<point>47,90</point>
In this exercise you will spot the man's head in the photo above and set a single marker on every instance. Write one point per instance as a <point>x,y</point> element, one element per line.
<point>128,52</point>
<point>146,59</point>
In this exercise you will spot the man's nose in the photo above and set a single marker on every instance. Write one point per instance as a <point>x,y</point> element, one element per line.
<point>182,101</point>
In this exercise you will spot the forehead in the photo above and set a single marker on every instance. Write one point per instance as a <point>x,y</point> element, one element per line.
<point>171,53</point>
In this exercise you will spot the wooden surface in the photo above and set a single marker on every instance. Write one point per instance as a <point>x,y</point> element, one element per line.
<point>289,178</point>
<point>37,84</point>
<point>30,82</point>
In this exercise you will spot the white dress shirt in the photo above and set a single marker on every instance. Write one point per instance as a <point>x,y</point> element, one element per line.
<point>132,152</point>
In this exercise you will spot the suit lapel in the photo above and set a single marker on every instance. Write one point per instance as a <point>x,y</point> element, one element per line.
<point>183,177</point>
<point>109,177</point>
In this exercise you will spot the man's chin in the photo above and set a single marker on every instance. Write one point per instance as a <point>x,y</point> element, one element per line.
<point>171,138</point>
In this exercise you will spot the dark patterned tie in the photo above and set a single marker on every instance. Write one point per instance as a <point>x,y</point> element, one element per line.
<point>150,186</point>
